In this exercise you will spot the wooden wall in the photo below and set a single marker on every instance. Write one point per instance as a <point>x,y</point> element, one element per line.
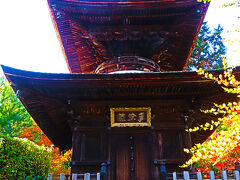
<point>129,154</point>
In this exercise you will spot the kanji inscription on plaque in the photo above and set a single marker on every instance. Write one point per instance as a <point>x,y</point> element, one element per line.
<point>130,117</point>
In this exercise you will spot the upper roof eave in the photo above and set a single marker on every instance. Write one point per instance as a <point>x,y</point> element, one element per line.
<point>67,25</point>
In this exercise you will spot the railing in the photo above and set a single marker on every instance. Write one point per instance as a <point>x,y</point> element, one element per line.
<point>128,63</point>
<point>186,175</point>
<point>86,176</point>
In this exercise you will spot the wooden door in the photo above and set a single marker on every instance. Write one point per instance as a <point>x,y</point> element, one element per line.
<point>131,158</point>
<point>143,160</point>
<point>121,157</point>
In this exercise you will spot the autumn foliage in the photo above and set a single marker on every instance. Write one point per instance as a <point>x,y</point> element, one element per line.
<point>16,122</point>
<point>35,134</point>
<point>222,149</point>
<point>59,161</point>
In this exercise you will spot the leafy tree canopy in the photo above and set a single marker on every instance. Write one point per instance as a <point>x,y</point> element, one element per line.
<point>23,159</point>
<point>222,149</point>
<point>16,122</point>
<point>209,49</point>
<point>13,115</point>
<point>59,162</point>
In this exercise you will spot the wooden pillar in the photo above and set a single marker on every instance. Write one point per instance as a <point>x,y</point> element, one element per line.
<point>155,155</point>
<point>110,169</point>
<point>73,121</point>
<point>186,139</point>
<point>75,146</point>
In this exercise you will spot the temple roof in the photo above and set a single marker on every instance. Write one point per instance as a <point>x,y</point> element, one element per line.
<point>46,97</point>
<point>92,32</point>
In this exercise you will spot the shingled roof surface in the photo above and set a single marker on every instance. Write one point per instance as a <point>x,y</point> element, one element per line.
<point>92,32</point>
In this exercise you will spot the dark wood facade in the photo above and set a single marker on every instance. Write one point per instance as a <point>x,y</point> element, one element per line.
<point>74,112</point>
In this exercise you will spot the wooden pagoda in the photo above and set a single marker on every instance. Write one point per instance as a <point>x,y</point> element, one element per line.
<point>127,101</point>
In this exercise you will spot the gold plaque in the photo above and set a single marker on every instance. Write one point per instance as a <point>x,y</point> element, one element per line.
<point>131,117</point>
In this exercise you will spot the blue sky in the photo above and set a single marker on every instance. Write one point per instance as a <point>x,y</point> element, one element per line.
<point>28,39</point>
